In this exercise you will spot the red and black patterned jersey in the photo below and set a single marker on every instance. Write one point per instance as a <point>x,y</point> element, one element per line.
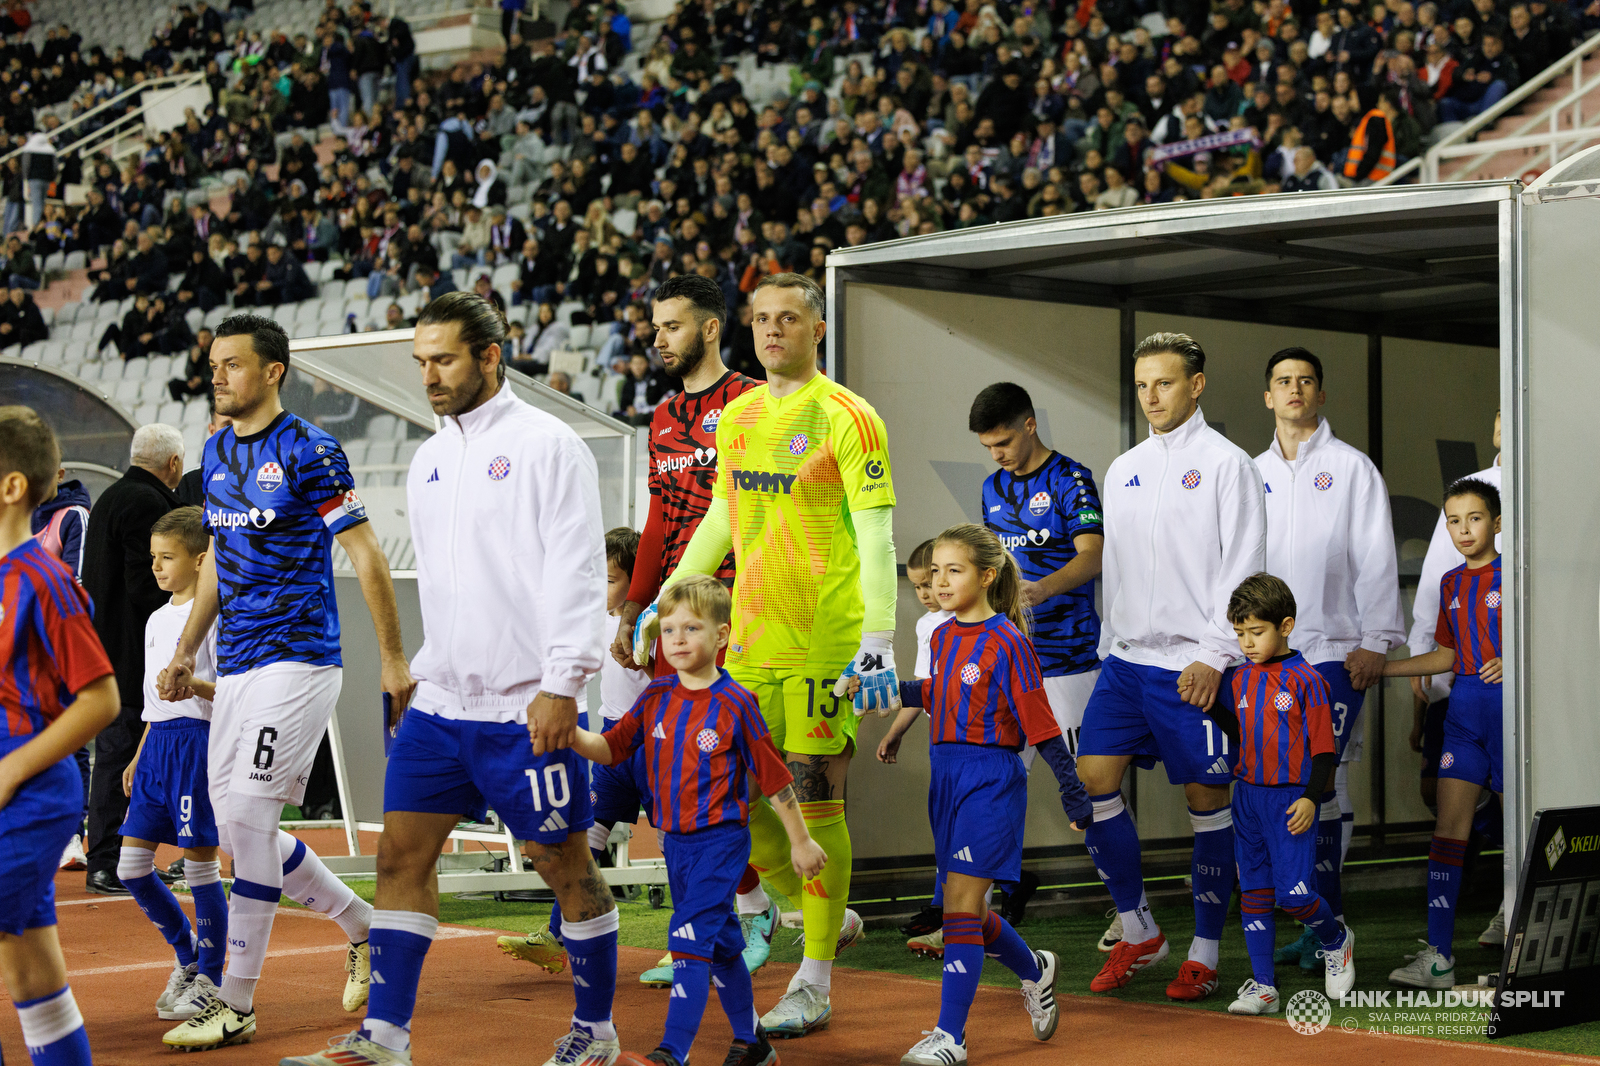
<point>683,467</point>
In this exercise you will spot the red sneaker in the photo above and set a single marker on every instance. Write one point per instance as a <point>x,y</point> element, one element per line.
<point>1195,980</point>
<point>1128,959</point>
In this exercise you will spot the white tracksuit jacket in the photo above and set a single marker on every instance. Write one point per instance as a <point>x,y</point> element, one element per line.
<point>1329,535</point>
<point>511,570</point>
<point>1184,523</point>
<point>1442,557</point>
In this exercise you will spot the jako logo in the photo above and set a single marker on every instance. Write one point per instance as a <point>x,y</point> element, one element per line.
<point>760,481</point>
<point>238,520</point>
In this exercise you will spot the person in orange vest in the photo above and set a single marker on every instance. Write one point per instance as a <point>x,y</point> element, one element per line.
<point>1372,154</point>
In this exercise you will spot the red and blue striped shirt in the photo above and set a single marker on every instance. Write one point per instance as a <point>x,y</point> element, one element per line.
<point>48,646</point>
<point>1284,720</point>
<point>700,745</point>
<point>1469,615</point>
<point>986,687</point>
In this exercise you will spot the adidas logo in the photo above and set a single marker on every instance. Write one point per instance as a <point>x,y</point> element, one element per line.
<point>737,444</point>
<point>1325,867</point>
<point>1257,926</point>
<point>716,982</point>
<point>432,477</point>
<point>954,967</point>
<point>553,823</point>
<point>185,831</point>
<point>1455,603</point>
<point>580,982</point>
<point>965,855</point>
<point>678,993</point>
<point>1208,897</point>
<point>822,732</point>
<point>377,978</point>
<point>659,733</point>
<point>1299,889</point>
<point>1133,484</point>
<point>1219,767</point>
<point>684,931</point>
<point>206,943</point>
<point>1243,703</point>
<point>1439,901</point>
<point>1267,486</point>
<point>814,887</point>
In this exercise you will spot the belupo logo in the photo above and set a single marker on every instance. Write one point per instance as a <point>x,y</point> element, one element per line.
<point>255,518</point>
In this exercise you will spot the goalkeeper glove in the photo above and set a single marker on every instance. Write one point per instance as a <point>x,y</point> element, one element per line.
<point>874,665</point>
<point>646,628</point>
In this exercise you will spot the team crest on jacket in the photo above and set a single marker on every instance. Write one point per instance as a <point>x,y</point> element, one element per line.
<point>1283,701</point>
<point>1324,481</point>
<point>1191,480</point>
<point>353,505</point>
<point>1492,600</point>
<point>798,444</point>
<point>499,468</point>
<point>269,477</point>
<point>706,740</point>
<point>1039,504</point>
<point>1446,761</point>
<point>969,673</point>
<point>708,424</point>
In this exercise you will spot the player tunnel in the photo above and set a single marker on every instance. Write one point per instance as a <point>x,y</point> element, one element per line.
<point>1430,307</point>
<point>95,432</point>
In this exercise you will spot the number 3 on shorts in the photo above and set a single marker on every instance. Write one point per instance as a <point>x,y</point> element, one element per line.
<point>556,789</point>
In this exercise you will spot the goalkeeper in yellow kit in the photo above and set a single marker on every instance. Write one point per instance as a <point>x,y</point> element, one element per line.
<point>804,499</point>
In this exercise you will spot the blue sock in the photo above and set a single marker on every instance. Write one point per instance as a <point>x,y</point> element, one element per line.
<point>398,943</point>
<point>1329,851</point>
<point>1318,917</point>
<point>963,965</point>
<point>210,915</point>
<point>732,981</point>
<point>1444,888</point>
<point>1260,930</point>
<point>53,1031</point>
<point>555,919</point>
<point>136,870</point>
<point>1212,871</point>
<point>691,985</point>
<point>1002,942</point>
<point>938,888</point>
<point>1113,843</point>
<point>592,954</point>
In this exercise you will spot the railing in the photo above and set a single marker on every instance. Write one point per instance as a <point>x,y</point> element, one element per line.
<point>124,125</point>
<point>1559,142</point>
<point>174,81</point>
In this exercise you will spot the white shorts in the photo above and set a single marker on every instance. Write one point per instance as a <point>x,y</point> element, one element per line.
<point>266,725</point>
<point>1068,697</point>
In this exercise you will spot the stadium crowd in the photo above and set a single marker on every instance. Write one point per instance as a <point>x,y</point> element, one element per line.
<point>585,164</point>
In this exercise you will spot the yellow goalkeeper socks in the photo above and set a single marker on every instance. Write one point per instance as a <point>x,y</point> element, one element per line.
<point>824,897</point>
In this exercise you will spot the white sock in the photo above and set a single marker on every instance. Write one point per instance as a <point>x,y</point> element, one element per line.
<point>238,992</point>
<point>355,919</point>
<point>1139,925</point>
<point>754,901</point>
<point>50,1019</point>
<point>387,1034</point>
<point>813,972</point>
<point>600,1030</point>
<point>1204,951</point>
<point>312,885</point>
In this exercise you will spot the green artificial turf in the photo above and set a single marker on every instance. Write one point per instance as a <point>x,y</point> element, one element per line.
<point>1388,926</point>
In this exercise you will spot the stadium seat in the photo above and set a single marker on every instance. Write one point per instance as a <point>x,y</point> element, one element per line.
<point>170,413</point>
<point>145,413</point>
<point>579,337</point>
<point>383,427</point>
<point>573,364</point>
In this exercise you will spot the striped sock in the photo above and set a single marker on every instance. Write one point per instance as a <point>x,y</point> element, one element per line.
<point>1444,888</point>
<point>1260,930</point>
<point>52,1029</point>
<point>1318,917</point>
<point>963,965</point>
<point>398,942</point>
<point>1002,942</point>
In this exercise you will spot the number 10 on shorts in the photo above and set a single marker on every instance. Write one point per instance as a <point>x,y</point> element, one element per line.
<point>554,776</point>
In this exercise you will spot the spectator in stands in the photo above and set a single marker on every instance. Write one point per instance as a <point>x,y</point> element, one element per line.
<point>20,320</point>
<point>1483,80</point>
<point>196,379</point>
<point>1308,173</point>
<point>284,281</point>
<point>204,284</point>
<point>645,387</point>
<point>19,268</point>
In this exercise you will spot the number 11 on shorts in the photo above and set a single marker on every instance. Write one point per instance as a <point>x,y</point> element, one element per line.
<point>1213,731</point>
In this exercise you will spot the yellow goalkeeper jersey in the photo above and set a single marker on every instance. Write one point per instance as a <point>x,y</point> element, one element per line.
<point>792,470</point>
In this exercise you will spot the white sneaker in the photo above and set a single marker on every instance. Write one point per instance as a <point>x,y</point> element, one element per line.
<point>218,1025</point>
<point>73,857</point>
<point>357,976</point>
<point>177,990</point>
<point>1339,967</point>
<point>851,930</point>
<point>1040,996</point>
<point>801,1010</point>
<point>1427,969</point>
<point>1495,936</point>
<point>1113,934</point>
<point>579,1047</point>
<point>1255,999</point>
<point>936,1048</point>
<point>352,1049</point>
<point>194,1000</point>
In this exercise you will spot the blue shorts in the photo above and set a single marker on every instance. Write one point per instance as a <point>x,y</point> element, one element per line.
<point>1135,710</point>
<point>619,792</point>
<point>1269,856</point>
<point>34,830</point>
<point>1343,701</point>
<point>703,871</point>
<point>450,766</point>
<point>1473,737</point>
<point>978,807</point>
<point>1433,736</point>
<point>171,801</point>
